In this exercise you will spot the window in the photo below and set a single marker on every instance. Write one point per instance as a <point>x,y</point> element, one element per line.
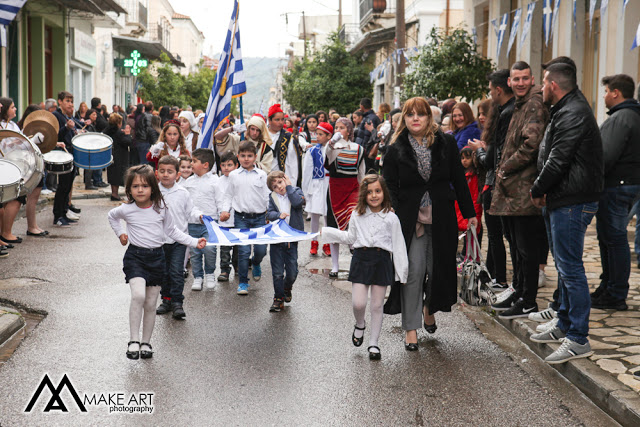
<point>512,16</point>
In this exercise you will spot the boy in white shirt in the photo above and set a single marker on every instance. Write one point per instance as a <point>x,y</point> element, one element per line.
<point>228,163</point>
<point>248,196</point>
<point>207,196</point>
<point>183,211</point>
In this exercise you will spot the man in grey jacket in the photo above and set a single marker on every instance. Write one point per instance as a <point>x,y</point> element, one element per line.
<point>621,146</point>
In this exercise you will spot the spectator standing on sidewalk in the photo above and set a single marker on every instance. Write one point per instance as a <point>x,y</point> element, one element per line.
<point>570,183</point>
<point>621,149</point>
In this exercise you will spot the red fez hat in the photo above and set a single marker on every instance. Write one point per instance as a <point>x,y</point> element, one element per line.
<point>326,127</point>
<point>275,108</point>
<point>261,116</point>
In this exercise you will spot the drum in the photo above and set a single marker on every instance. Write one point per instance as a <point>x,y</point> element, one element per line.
<point>92,150</point>
<point>58,162</point>
<point>18,149</point>
<point>10,181</point>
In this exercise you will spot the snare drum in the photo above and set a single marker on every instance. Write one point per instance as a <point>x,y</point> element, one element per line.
<point>19,150</point>
<point>58,162</point>
<point>10,181</point>
<point>92,150</point>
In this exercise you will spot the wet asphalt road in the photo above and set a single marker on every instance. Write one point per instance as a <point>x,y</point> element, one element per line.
<point>231,362</point>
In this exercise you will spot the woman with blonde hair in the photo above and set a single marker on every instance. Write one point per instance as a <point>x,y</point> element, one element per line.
<point>82,111</point>
<point>425,178</point>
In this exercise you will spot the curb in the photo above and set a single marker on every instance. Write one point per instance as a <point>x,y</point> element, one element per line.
<point>616,399</point>
<point>10,323</point>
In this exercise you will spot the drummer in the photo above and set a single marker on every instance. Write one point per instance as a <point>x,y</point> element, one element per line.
<point>68,129</point>
<point>10,211</point>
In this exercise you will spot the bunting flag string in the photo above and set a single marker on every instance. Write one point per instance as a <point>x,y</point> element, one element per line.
<point>547,14</point>
<point>527,23</point>
<point>395,56</point>
<point>514,29</point>
<point>636,40</point>
<point>554,20</point>
<point>503,28</point>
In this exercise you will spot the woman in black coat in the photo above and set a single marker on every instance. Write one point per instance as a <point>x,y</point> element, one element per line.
<point>425,177</point>
<point>122,142</point>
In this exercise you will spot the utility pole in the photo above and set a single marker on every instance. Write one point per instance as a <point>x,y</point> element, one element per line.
<point>304,30</point>
<point>446,30</point>
<point>400,40</point>
<point>339,14</point>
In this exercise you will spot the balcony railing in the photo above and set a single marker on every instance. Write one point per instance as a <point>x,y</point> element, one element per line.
<point>349,34</point>
<point>370,8</point>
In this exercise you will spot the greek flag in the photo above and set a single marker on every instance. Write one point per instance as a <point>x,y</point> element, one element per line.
<point>475,35</point>
<point>554,20</point>
<point>229,82</point>
<point>514,29</point>
<point>501,30</point>
<point>636,40</point>
<point>275,232</point>
<point>527,23</point>
<point>9,9</point>
<point>547,19</point>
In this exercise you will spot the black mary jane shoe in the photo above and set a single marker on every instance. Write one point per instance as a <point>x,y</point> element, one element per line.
<point>41,234</point>
<point>16,240</point>
<point>146,354</point>
<point>357,341</point>
<point>133,355</point>
<point>431,328</point>
<point>374,355</point>
<point>412,346</point>
<point>333,274</point>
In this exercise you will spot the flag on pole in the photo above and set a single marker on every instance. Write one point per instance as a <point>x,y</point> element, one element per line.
<point>274,232</point>
<point>514,29</point>
<point>636,40</point>
<point>229,82</point>
<point>547,19</point>
<point>501,30</point>
<point>592,10</point>
<point>527,22</point>
<point>554,20</point>
<point>9,9</point>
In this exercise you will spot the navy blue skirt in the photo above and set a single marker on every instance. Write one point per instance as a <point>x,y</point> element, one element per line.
<point>145,263</point>
<point>371,266</point>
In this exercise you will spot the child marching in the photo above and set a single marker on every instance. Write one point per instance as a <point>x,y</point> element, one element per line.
<point>148,222</point>
<point>376,236</point>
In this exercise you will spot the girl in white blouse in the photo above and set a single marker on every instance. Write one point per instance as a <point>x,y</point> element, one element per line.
<point>379,247</point>
<point>148,222</point>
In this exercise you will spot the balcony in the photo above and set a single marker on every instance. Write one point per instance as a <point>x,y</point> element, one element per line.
<point>142,15</point>
<point>349,34</point>
<point>375,14</point>
<point>137,17</point>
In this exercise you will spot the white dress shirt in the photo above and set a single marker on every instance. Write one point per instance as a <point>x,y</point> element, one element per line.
<point>224,185</point>
<point>206,193</point>
<point>374,230</point>
<point>284,205</point>
<point>247,191</point>
<point>147,228</point>
<point>181,208</point>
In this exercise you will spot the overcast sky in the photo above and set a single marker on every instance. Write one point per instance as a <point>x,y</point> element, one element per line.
<point>263,29</point>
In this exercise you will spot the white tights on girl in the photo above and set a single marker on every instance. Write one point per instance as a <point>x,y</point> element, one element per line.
<point>143,300</point>
<point>359,296</point>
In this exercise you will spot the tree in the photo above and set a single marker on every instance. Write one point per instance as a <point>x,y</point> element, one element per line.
<point>161,85</point>
<point>333,79</point>
<point>446,67</point>
<point>197,88</point>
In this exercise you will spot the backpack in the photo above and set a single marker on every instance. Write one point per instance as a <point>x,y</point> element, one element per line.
<point>474,279</point>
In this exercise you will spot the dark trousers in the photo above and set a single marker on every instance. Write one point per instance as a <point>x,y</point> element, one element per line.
<point>543,241</point>
<point>284,267</point>
<point>525,246</point>
<point>496,252</point>
<point>173,283</point>
<point>61,200</point>
<point>228,259</point>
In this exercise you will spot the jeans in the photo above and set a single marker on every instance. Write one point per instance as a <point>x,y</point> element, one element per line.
<point>496,253</point>
<point>568,227</point>
<point>636,211</point>
<point>525,241</point>
<point>284,260</point>
<point>244,252</point>
<point>173,283</point>
<point>611,223</point>
<point>142,148</point>
<point>227,259</point>
<point>209,253</point>
<point>555,302</point>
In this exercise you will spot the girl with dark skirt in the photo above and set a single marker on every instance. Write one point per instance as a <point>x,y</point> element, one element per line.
<point>376,236</point>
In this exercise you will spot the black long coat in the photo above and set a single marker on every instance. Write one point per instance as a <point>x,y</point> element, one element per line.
<point>120,152</point>
<point>446,185</point>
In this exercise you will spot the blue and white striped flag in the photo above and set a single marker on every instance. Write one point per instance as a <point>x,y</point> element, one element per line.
<point>494,23</point>
<point>229,82</point>
<point>554,20</point>
<point>527,23</point>
<point>592,10</point>
<point>636,40</point>
<point>603,8</point>
<point>575,19</point>
<point>9,9</point>
<point>275,232</point>
<point>547,19</point>
<point>514,29</point>
<point>624,6</point>
<point>501,30</point>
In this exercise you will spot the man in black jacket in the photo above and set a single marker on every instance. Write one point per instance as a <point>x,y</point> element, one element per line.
<point>368,117</point>
<point>621,146</point>
<point>570,183</point>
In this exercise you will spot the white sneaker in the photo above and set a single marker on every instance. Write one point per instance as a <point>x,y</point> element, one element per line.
<point>542,279</point>
<point>46,191</point>
<point>502,296</point>
<point>197,284</point>
<point>543,316</point>
<point>547,326</point>
<point>72,215</point>
<point>210,281</point>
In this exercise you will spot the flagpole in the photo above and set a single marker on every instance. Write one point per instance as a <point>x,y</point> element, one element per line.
<point>241,118</point>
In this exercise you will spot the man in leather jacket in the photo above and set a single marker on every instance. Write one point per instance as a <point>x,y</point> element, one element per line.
<point>368,117</point>
<point>570,182</point>
<point>620,140</point>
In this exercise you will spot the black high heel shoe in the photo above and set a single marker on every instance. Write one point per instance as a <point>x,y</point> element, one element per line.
<point>133,355</point>
<point>431,328</point>
<point>146,354</point>
<point>357,341</point>
<point>412,346</point>
<point>374,355</point>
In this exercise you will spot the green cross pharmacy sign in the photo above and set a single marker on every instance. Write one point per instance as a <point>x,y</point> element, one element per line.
<point>135,63</point>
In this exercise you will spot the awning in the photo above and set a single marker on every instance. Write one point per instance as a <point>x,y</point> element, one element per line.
<point>97,7</point>
<point>149,48</point>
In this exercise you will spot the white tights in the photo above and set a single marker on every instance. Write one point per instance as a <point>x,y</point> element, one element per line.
<point>143,299</point>
<point>359,296</point>
<point>315,223</point>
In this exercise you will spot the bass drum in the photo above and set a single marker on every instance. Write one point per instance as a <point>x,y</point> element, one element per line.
<point>58,162</point>
<point>10,181</point>
<point>19,149</point>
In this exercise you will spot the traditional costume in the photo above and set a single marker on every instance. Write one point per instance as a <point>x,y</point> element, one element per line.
<point>288,154</point>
